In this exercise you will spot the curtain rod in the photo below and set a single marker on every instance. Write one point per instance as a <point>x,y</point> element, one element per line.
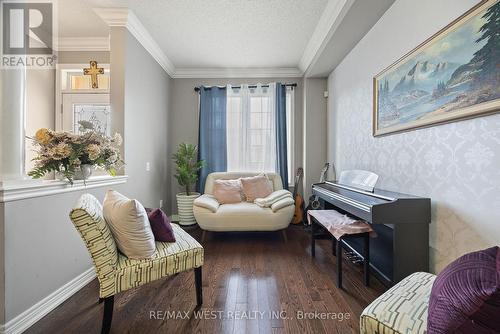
<point>197,89</point>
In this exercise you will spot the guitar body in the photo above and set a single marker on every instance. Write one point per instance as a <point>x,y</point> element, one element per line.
<point>299,201</point>
<point>314,203</point>
<point>299,210</point>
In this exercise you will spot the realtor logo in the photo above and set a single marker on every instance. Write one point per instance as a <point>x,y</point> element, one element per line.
<point>27,34</point>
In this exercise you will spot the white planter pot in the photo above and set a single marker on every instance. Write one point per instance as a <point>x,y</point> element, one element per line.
<point>185,208</point>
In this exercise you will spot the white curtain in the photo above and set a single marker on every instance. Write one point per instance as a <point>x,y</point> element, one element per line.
<point>251,128</point>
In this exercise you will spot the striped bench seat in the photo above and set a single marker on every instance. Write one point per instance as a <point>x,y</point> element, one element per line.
<point>400,310</point>
<point>170,258</point>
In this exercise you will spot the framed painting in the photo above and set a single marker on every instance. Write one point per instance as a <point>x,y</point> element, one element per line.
<point>453,75</point>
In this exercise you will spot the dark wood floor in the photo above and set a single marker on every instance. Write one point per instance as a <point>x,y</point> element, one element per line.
<point>256,281</point>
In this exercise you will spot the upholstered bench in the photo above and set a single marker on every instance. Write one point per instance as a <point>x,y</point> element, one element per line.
<point>116,272</point>
<point>400,310</point>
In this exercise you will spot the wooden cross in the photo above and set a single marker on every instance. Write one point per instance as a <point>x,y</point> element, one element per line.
<point>93,71</point>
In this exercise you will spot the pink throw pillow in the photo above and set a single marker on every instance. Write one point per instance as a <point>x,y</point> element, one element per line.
<point>256,187</point>
<point>227,191</point>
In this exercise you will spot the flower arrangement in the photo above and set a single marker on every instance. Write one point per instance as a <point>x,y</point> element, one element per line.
<point>66,152</point>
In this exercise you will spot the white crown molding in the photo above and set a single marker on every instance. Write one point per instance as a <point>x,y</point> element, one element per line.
<point>255,72</point>
<point>82,44</point>
<point>329,21</point>
<point>124,17</point>
<point>33,188</point>
<point>26,319</point>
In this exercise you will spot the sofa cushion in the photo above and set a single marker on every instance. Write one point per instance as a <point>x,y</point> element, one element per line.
<point>275,179</point>
<point>129,224</point>
<point>208,202</point>
<point>401,309</point>
<point>465,297</point>
<point>227,191</point>
<point>256,187</point>
<point>243,216</point>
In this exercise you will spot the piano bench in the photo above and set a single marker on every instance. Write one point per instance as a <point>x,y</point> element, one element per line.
<point>337,245</point>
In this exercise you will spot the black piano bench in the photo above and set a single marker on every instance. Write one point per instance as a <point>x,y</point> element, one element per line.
<point>366,257</point>
<point>337,251</point>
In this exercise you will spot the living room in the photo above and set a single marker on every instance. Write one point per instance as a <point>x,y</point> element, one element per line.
<point>200,167</point>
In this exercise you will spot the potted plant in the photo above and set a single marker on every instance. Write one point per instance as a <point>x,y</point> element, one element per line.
<point>187,167</point>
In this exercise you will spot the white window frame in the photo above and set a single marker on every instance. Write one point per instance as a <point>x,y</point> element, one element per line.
<point>62,71</point>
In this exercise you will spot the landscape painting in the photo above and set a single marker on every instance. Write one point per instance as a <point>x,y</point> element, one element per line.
<point>455,74</point>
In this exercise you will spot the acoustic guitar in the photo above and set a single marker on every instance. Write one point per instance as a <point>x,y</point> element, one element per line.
<point>314,203</point>
<point>299,201</point>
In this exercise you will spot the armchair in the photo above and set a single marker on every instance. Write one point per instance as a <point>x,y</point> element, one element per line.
<point>116,272</point>
<point>244,216</point>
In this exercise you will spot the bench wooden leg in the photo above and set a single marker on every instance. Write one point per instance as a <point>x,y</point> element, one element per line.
<point>108,314</point>
<point>366,258</point>
<point>334,245</point>
<point>203,235</point>
<point>339,263</point>
<point>198,286</point>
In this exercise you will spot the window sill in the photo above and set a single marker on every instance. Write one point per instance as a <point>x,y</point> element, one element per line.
<point>34,188</point>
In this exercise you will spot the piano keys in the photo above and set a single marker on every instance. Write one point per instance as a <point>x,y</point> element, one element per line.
<point>400,220</point>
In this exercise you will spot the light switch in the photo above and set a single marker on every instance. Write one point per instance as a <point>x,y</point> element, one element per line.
<point>148,166</point>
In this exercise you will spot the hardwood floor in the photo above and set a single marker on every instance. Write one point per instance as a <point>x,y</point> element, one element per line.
<point>256,281</point>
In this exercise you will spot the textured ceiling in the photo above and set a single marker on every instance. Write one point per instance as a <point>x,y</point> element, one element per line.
<point>227,33</point>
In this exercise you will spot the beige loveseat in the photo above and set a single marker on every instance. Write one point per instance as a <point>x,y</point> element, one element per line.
<point>244,216</point>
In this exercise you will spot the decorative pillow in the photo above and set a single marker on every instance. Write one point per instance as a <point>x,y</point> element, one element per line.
<point>256,187</point>
<point>160,225</point>
<point>129,224</point>
<point>227,191</point>
<point>465,297</point>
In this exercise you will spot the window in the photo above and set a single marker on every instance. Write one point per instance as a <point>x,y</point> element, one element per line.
<point>251,129</point>
<point>251,144</point>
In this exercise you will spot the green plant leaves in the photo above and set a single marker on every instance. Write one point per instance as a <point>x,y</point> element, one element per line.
<point>187,165</point>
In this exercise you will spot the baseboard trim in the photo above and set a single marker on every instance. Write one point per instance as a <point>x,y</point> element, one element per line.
<point>36,312</point>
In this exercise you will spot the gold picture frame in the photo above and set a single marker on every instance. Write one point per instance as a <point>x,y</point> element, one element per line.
<point>446,78</point>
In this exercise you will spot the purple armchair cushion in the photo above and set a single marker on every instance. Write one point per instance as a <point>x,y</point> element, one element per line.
<point>160,225</point>
<point>465,297</point>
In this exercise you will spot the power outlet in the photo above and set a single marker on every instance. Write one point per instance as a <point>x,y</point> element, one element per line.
<point>161,203</point>
<point>148,166</point>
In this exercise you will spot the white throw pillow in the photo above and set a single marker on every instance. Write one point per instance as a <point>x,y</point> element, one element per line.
<point>129,225</point>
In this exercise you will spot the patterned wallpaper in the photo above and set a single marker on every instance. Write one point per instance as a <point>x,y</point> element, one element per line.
<point>455,164</point>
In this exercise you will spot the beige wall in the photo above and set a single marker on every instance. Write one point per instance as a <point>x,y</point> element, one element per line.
<point>147,102</point>
<point>455,164</point>
<point>40,106</point>
<point>315,132</point>
<point>82,57</point>
<point>183,124</point>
